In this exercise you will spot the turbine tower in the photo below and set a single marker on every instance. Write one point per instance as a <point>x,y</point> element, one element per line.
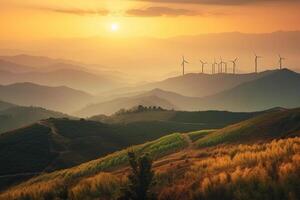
<point>280,61</point>
<point>256,62</point>
<point>225,65</point>
<point>203,63</point>
<point>214,66</point>
<point>183,64</point>
<point>234,65</point>
<point>220,66</point>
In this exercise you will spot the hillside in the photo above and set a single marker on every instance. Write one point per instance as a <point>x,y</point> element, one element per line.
<point>64,142</point>
<point>248,169</point>
<point>110,107</point>
<point>14,117</point>
<point>277,124</point>
<point>37,62</point>
<point>213,119</point>
<point>201,85</point>
<point>13,67</point>
<point>63,74</point>
<point>60,98</point>
<point>5,105</point>
<point>278,89</point>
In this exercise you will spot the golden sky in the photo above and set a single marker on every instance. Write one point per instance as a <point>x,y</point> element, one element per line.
<point>35,19</point>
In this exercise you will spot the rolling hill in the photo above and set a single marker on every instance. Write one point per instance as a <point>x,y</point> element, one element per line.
<point>61,98</point>
<point>277,124</point>
<point>13,67</point>
<point>14,117</point>
<point>74,78</point>
<point>270,146</point>
<point>5,105</point>
<point>201,85</point>
<point>65,142</point>
<point>37,62</point>
<point>115,105</point>
<point>206,118</point>
<point>278,89</point>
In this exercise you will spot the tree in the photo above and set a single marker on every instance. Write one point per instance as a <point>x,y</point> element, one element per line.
<point>140,178</point>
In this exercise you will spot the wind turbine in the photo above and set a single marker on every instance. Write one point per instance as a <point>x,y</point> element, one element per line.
<point>214,66</point>
<point>221,64</point>
<point>256,61</point>
<point>203,63</point>
<point>234,64</point>
<point>183,64</point>
<point>280,61</point>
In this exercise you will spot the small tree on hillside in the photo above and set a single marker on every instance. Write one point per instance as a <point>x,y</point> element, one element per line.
<point>140,179</point>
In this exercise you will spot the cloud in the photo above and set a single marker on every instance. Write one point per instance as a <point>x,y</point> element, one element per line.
<point>220,2</point>
<point>160,11</point>
<point>102,12</point>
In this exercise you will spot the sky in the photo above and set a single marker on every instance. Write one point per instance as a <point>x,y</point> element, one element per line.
<point>147,38</point>
<point>35,19</point>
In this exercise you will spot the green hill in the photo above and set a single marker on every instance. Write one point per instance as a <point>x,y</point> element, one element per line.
<point>278,124</point>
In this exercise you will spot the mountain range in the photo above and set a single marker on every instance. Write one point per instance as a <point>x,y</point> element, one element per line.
<point>56,72</point>
<point>14,117</point>
<point>61,98</point>
<point>269,89</point>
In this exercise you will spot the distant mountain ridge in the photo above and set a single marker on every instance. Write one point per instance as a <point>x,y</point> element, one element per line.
<point>61,98</point>
<point>55,72</point>
<point>201,85</point>
<point>5,105</point>
<point>15,117</point>
<point>115,105</point>
<point>278,89</point>
<point>74,78</point>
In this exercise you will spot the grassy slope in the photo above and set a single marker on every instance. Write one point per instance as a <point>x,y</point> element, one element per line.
<point>155,149</point>
<point>205,161</point>
<point>64,143</point>
<point>196,135</point>
<point>267,126</point>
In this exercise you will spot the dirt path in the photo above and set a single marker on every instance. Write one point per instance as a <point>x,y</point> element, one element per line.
<point>58,139</point>
<point>188,140</point>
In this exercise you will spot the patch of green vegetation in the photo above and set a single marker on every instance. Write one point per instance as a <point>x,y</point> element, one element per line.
<point>196,135</point>
<point>154,149</point>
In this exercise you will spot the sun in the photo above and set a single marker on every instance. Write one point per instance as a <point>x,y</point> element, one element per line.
<point>114,27</point>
